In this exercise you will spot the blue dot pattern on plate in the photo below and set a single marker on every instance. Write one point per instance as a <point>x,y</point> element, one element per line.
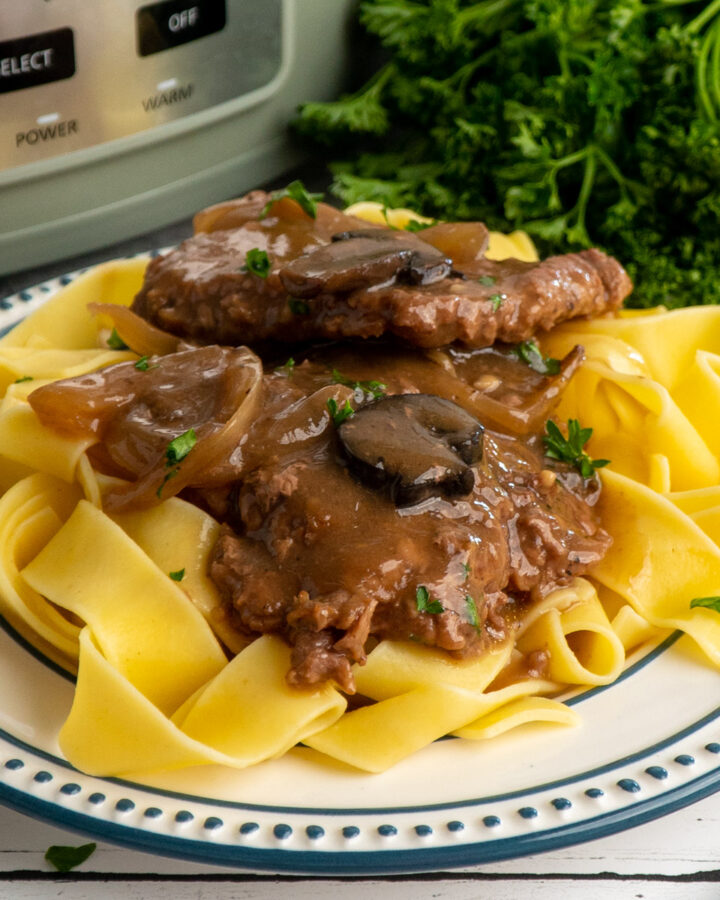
<point>629,785</point>
<point>594,793</point>
<point>212,822</point>
<point>25,295</point>
<point>387,830</point>
<point>249,827</point>
<point>70,788</point>
<point>315,832</point>
<point>97,798</point>
<point>685,759</point>
<point>184,816</point>
<point>423,830</point>
<point>713,747</point>
<point>491,821</point>
<point>153,812</point>
<point>350,831</point>
<point>14,764</point>
<point>657,772</point>
<point>561,803</point>
<point>124,805</point>
<point>43,777</point>
<point>455,825</point>
<point>282,832</point>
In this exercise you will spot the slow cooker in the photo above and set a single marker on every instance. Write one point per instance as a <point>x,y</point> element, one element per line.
<point>117,117</point>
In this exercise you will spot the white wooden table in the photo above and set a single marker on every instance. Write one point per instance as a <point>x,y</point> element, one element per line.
<point>673,858</point>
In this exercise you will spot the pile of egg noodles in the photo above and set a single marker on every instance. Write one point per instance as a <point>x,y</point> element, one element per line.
<point>156,689</point>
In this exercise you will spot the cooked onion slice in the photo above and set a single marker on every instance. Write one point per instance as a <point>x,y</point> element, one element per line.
<point>136,413</point>
<point>137,333</point>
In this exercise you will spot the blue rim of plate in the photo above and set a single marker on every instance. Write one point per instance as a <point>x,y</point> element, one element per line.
<point>359,862</point>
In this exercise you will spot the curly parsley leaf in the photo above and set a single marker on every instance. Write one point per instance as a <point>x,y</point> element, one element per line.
<point>339,413</point>
<point>570,449</point>
<point>177,576</point>
<point>257,262</point>
<point>143,364</point>
<point>706,602</point>
<point>296,191</point>
<point>64,859</point>
<point>586,124</point>
<point>425,604</point>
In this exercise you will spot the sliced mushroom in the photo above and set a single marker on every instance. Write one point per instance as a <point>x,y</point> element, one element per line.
<point>359,259</point>
<point>414,446</point>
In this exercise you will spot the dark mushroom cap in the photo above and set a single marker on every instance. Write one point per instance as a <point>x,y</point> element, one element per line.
<point>414,446</point>
<point>358,259</point>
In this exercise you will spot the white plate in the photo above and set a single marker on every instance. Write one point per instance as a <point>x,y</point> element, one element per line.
<point>649,744</point>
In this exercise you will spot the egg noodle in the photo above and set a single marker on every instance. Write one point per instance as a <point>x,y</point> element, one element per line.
<point>155,689</point>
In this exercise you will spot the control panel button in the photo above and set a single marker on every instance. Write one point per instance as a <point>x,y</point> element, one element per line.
<point>161,26</point>
<point>36,59</point>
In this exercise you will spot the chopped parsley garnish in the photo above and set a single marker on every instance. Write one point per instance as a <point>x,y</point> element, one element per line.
<point>66,858</point>
<point>175,452</point>
<point>171,474</point>
<point>529,352</point>
<point>375,388</point>
<point>472,612</point>
<point>298,307</point>
<point>115,342</point>
<point>570,449</point>
<point>296,191</point>
<point>179,447</point>
<point>22,379</point>
<point>339,414</point>
<point>496,300</point>
<point>143,365</point>
<point>257,262</point>
<point>707,602</point>
<point>177,576</point>
<point>287,368</point>
<point>466,570</point>
<point>425,604</point>
<point>487,280</point>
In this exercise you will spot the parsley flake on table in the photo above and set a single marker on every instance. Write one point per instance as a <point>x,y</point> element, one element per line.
<point>339,413</point>
<point>296,191</point>
<point>529,353</point>
<point>570,449</point>
<point>64,859</point>
<point>425,604</point>
<point>257,262</point>
<point>706,602</point>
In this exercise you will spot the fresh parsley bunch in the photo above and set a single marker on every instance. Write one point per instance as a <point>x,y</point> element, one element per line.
<point>586,122</point>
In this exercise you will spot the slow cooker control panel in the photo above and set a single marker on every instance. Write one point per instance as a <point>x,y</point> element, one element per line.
<point>75,74</point>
